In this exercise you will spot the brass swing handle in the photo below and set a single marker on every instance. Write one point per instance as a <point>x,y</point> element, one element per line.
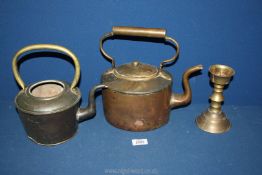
<point>139,32</point>
<point>42,47</point>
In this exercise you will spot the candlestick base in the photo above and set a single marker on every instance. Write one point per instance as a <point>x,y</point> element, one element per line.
<point>215,123</point>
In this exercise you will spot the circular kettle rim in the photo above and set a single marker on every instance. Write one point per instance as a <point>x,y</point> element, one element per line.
<point>24,100</point>
<point>156,82</point>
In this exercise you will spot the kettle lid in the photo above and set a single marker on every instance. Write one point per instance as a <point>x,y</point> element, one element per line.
<point>136,78</point>
<point>136,70</point>
<point>46,97</point>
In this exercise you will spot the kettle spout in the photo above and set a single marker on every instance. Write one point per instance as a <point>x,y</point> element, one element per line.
<point>89,111</point>
<point>183,99</point>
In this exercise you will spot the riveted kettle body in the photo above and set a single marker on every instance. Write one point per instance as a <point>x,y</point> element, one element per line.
<point>139,96</point>
<point>49,110</point>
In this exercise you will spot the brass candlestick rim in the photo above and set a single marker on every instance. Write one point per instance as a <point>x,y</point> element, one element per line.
<point>221,70</point>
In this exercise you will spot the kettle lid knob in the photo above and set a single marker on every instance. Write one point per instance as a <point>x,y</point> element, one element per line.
<point>136,63</point>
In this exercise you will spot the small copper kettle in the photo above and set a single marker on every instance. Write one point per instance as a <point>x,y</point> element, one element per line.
<point>49,110</point>
<point>139,96</point>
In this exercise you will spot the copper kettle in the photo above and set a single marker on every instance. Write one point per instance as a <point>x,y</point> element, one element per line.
<point>49,109</point>
<point>139,96</point>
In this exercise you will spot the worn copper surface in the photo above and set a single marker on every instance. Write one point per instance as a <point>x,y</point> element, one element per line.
<point>136,78</point>
<point>137,112</point>
<point>139,96</point>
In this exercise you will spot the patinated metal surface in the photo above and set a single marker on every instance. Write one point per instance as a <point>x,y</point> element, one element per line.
<point>50,109</point>
<point>44,47</point>
<point>136,78</point>
<point>137,112</point>
<point>214,120</point>
<point>29,103</point>
<point>139,96</point>
<point>50,129</point>
<point>139,32</point>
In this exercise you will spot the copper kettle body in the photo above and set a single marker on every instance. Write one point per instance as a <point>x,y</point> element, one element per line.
<point>49,109</point>
<point>139,96</point>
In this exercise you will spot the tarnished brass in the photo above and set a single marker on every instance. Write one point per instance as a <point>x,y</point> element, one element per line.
<point>139,96</point>
<point>49,110</point>
<point>214,120</point>
<point>139,31</point>
<point>50,47</point>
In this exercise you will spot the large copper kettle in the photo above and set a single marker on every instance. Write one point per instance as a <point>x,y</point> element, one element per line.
<point>139,96</point>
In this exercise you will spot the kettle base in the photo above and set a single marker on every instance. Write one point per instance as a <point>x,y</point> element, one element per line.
<point>52,144</point>
<point>137,126</point>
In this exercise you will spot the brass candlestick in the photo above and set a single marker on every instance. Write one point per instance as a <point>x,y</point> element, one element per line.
<point>214,120</point>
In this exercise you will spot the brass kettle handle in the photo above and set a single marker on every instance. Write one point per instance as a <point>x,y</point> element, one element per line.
<point>139,32</point>
<point>50,47</point>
